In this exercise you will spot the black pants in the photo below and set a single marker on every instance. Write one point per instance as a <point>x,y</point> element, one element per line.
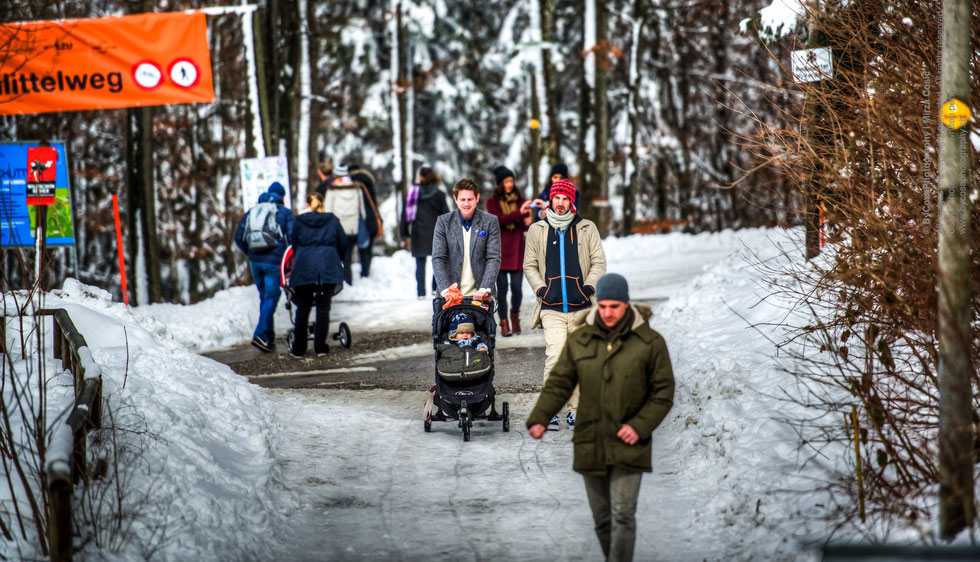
<point>349,258</point>
<point>420,276</point>
<point>304,297</point>
<point>516,281</point>
<point>365,254</point>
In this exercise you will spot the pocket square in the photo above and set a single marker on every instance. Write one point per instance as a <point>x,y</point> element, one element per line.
<point>482,233</point>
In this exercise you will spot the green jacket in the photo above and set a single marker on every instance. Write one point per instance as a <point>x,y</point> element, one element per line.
<point>628,381</point>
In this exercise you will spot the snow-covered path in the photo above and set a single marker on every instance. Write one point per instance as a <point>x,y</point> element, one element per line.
<point>375,487</point>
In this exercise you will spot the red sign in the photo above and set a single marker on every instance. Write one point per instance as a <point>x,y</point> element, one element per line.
<point>104,63</point>
<point>41,174</point>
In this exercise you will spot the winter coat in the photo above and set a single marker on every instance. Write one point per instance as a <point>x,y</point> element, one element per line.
<point>511,241</point>
<point>591,258</point>
<point>369,195</point>
<point>319,245</point>
<point>447,250</point>
<point>285,219</point>
<point>627,381</point>
<point>421,229</point>
<point>344,199</point>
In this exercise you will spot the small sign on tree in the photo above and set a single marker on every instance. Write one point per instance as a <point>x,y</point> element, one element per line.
<point>41,175</point>
<point>812,65</point>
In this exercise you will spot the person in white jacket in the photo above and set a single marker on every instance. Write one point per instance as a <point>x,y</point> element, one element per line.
<point>343,198</point>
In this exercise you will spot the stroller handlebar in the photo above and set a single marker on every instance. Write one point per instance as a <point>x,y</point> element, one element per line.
<point>488,304</point>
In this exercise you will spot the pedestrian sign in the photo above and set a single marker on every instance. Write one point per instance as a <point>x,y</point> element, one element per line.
<point>955,114</point>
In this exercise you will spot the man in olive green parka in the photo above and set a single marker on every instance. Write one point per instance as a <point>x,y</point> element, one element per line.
<point>626,389</point>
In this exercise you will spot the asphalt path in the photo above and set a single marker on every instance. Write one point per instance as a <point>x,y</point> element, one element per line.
<point>395,360</point>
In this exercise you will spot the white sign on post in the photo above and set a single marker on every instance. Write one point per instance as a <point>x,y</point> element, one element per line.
<point>812,65</point>
<point>258,174</point>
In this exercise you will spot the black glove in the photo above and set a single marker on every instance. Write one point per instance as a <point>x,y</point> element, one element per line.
<point>540,292</point>
<point>589,290</point>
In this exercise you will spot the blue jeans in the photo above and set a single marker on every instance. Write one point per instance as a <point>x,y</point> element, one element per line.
<point>266,277</point>
<point>613,501</point>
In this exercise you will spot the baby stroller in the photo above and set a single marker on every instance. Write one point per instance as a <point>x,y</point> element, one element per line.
<point>463,390</point>
<point>286,267</point>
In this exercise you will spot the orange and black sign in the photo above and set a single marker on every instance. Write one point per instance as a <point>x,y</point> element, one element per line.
<point>104,63</point>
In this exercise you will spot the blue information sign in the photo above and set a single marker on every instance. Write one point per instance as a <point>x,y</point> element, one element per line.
<point>16,217</point>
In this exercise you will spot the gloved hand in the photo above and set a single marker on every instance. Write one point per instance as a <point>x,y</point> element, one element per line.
<point>452,295</point>
<point>589,290</point>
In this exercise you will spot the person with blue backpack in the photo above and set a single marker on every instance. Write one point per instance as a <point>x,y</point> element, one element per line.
<point>263,235</point>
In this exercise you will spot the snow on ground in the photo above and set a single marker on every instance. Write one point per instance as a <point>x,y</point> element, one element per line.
<point>351,475</point>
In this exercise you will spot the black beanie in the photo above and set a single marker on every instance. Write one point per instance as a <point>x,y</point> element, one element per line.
<point>559,168</point>
<point>500,173</point>
<point>612,287</point>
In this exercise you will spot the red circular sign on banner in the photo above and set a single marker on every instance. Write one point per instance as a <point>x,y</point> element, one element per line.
<point>184,72</point>
<point>148,75</point>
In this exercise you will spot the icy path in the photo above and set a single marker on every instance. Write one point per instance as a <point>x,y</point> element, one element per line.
<point>388,491</point>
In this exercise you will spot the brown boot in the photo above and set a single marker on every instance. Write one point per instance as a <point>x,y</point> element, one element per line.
<point>504,327</point>
<point>515,323</point>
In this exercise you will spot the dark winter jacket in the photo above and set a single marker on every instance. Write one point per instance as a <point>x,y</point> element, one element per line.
<point>285,219</point>
<point>626,381</point>
<point>319,245</point>
<point>511,239</point>
<point>431,203</point>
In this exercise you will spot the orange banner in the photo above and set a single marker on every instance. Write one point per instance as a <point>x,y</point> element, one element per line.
<point>104,63</point>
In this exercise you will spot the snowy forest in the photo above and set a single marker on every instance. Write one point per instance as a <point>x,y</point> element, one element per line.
<point>650,103</point>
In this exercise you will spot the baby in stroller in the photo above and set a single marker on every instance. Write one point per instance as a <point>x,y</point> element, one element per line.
<point>463,337</point>
<point>462,331</point>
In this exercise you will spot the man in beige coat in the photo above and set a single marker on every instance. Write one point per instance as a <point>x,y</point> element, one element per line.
<point>563,260</point>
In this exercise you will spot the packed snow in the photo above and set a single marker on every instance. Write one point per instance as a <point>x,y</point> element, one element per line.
<point>234,471</point>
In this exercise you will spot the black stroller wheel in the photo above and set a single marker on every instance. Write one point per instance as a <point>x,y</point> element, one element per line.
<point>290,337</point>
<point>343,334</point>
<point>505,414</point>
<point>464,421</point>
<point>428,426</point>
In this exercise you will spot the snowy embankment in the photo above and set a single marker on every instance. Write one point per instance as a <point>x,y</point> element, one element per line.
<point>726,481</point>
<point>202,478</point>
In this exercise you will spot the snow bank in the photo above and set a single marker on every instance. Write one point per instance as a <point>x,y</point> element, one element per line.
<point>208,475</point>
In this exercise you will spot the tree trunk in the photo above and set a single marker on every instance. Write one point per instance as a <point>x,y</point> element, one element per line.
<point>552,148</point>
<point>633,185</point>
<point>535,139</point>
<point>816,134</point>
<point>403,83</point>
<point>258,16</point>
<point>600,183</point>
<point>956,485</point>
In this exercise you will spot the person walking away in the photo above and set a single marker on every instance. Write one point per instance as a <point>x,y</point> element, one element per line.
<point>563,260</point>
<point>324,171</point>
<point>318,241</point>
<point>262,235</point>
<point>466,246</point>
<point>423,205</point>
<point>360,175</point>
<point>624,371</point>
<point>345,201</point>
<point>505,204</point>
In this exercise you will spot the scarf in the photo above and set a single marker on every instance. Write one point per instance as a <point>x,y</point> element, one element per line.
<point>619,329</point>
<point>412,202</point>
<point>560,222</point>
<point>416,193</point>
<point>508,204</point>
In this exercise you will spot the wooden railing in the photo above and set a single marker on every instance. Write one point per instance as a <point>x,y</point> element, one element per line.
<point>65,461</point>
